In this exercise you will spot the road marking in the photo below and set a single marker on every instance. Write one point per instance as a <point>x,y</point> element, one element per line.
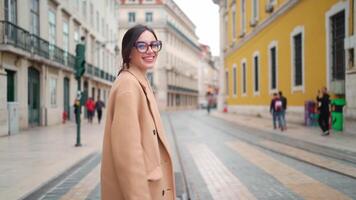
<point>222,184</point>
<point>312,158</point>
<point>303,185</point>
<point>85,186</point>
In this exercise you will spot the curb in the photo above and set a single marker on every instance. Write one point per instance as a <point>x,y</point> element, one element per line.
<point>338,154</point>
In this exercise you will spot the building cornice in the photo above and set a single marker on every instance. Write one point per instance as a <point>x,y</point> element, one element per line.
<point>260,27</point>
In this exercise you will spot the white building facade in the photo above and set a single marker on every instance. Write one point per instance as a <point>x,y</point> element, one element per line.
<point>175,76</point>
<point>37,49</point>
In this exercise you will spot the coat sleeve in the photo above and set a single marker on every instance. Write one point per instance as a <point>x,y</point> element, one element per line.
<point>127,150</point>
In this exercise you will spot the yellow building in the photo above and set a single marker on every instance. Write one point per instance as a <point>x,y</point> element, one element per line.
<point>293,46</point>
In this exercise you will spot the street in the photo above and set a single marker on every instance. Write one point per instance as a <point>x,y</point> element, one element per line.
<point>216,159</point>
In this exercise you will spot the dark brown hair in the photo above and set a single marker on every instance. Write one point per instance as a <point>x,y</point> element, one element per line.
<point>128,42</point>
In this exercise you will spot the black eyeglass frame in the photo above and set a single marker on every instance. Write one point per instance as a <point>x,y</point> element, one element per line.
<point>149,45</point>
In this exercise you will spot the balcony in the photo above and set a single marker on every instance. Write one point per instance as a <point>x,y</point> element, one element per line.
<point>13,35</point>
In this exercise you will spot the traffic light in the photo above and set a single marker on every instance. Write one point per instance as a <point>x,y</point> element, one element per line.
<point>79,60</point>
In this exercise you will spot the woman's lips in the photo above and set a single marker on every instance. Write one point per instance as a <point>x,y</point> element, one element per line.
<point>148,58</point>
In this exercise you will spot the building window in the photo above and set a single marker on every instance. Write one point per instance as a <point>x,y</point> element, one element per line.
<point>97,21</point>
<point>337,44</point>
<point>297,60</point>
<point>91,14</point>
<point>227,83</point>
<point>97,52</point>
<point>234,73</point>
<point>244,87</point>
<point>132,17</point>
<point>53,91</point>
<point>76,34</point>
<point>52,32</point>
<point>256,69</point>
<point>243,17</point>
<point>65,41</point>
<point>84,8</point>
<point>11,81</point>
<point>297,55</point>
<point>35,25</point>
<point>11,11</point>
<point>65,35</point>
<point>234,22</point>
<point>273,66</point>
<point>76,4</point>
<point>52,26</point>
<point>226,43</point>
<point>149,17</point>
<point>255,10</point>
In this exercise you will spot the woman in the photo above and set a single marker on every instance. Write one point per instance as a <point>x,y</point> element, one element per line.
<point>136,161</point>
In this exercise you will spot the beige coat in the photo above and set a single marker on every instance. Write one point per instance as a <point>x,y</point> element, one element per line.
<point>136,161</point>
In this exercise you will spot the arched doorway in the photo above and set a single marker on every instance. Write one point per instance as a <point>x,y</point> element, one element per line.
<point>33,97</point>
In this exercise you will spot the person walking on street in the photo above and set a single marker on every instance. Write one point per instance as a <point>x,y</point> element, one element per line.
<point>284,109</point>
<point>323,104</point>
<point>210,101</point>
<point>76,106</point>
<point>90,106</point>
<point>136,159</point>
<point>276,111</point>
<point>99,105</point>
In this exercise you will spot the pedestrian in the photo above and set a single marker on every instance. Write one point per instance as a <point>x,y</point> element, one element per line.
<point>76,106</point>
<point>209,101</point>
<point>284,109</point>
<point>323,105</point>
<point>99,105</point>
<point>276,111</point>
<point>90,106</point>
<point>136,160</point>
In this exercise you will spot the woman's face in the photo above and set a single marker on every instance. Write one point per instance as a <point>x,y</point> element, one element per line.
<point>145,53</point>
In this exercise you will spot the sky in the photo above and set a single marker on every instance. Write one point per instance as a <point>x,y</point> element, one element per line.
<point>205,15</point>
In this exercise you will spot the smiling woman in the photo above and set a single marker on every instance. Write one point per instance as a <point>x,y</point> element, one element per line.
<point>136,161</point>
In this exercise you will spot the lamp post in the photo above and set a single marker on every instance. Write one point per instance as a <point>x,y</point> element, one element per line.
<point>79,72</point>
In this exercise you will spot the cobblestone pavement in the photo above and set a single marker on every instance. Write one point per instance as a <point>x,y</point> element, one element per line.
<point>223,161</point>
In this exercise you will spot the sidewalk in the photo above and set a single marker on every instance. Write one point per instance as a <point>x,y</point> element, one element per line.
<point>337,144</point>
<point>35,156</point>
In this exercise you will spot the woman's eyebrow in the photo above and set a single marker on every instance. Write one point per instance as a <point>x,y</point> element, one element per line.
<point>147,41</point>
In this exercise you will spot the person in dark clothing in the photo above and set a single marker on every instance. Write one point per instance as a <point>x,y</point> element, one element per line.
<point>323,103</point>
<point>276,111</point>
<point>76,106</point>
<point>99,105</point>
<point>284,109</point>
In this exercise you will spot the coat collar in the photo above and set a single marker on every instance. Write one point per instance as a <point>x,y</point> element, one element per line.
<point>140,75</point>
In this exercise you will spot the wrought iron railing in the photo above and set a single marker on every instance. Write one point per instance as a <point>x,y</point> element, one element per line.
<point>181,89</point>
<point>11,34</point>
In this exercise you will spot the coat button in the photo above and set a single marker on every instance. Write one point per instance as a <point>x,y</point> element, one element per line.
<point>162,192</point>
<point>154,132</point>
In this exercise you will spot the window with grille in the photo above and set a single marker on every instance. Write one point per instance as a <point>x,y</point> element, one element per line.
<point>337,42</point>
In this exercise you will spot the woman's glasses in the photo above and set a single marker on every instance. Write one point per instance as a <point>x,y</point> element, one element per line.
<point>142,47</point>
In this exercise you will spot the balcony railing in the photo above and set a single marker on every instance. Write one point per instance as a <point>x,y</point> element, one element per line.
<point>182,89</point>
<point>11,34</point>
